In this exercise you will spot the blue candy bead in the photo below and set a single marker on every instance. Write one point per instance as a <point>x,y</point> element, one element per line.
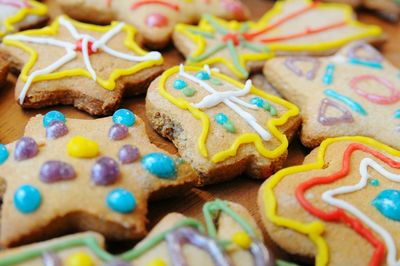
<point>257,101</point>
<point>121,200</point>
<point>203,75</point>
<point>159,164</point>
<point>179,84</point>
<point>125,117</point>
<point>53,116</point>
<point>27,199</point>
<point>3,154</point>
<point>221,118</point>
<point>388,204</point>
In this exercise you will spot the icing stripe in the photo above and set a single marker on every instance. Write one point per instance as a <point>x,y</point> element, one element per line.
<point>355,106</point>
<point>155,2</point>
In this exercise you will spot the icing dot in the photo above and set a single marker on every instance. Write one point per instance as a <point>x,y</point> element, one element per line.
<point>180,84</point>
<point>128,154</point>
<point>228,126</point>
<point>121,200</point>
<point>203,75</point>
<point>25,148</point>
<point>125,117</point>
<point>221,118</point>
<point>3,154</point>
<point>56,129</point>
<point>53,171</point>
<point>374,182</point>
<point>156,20</point>
<point>118,132</point>
<point>242,239</point>
<point>257,101</point>
<point>79,259</point>
<point>159,164</point>
<point>81,147</point>
<point>27,199</point>
<point>105,171</point>
<point>53,116</point>
<point>388,204</point>
<point>188,92</point>
<point>89,46</point>
<point>216,81</point>
<point>157,262</point>
<point>117,263</point>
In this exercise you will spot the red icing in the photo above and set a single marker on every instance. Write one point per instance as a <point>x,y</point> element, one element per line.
<point>236,8</point>
<point>157,20</point>
<point>157,2</point>
<point>78,47</point>
<point>339,215</point>
<point>231,37</point>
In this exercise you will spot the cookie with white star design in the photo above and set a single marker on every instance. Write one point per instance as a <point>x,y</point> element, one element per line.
<point>88,66</point>
<point>155,20</point>
<point>354,92</point>
<point>70,175</point>
<point>222,127</point>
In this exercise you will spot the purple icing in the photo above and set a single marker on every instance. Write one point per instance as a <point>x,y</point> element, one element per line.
<point>51,259</point>
<point>117,263</point>
<point>56,129</point>
<point>53,171</point>
<point>372,54</point>
<point>25,148</point>
<point>118,132</point>
<point>310,75</point>
<point>105,171</point>
<point>128,154</point>
<point>346,116</point>
<point>260,254</point>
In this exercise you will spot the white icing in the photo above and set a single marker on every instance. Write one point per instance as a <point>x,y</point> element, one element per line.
<point>229,98</point>
<point>328,197</point>
<point>71,54</point>
<point>9,8</point>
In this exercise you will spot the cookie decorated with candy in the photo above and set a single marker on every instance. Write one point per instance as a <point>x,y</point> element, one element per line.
<point>71,174</point>
<point>289,27</point>
<point>341,206</point>
<point>355,92</point>
<point>88,66</point>
<point>231,237</point>
<point>222,127</point>
<point>155,20</point>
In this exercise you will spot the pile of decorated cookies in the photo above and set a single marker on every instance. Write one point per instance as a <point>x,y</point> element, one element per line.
<point>68,185</point>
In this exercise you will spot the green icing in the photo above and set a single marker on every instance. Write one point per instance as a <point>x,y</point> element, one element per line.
<point>188,92</point>
<point>235,58</point>
<point>205,34</point>
<point>284,263</point>
<point>213,50</point>
<point>229,127</point>
<point>215,81</point>
<point>215,24</point>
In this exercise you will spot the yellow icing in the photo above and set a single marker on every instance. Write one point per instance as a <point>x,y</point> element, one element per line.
<point>52,30</point>
<point>272,123</point>
<point>157,262</point>
<point>242,239</point>
<point>79,259</point>
<point>81,147</point>
<point>314,229</point>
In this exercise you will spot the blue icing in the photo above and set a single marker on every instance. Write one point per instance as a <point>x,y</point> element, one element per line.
<point>221,118</point>
<point>159,164</point>
<point>388,204</point>
<point>257,101</point>
<point>397,114</point>
<point>125,117</point>
<point>3,153</point>
<point>27,199</point>
<point>203,75</point>
<point>121,200</point>
<point>179,84</point>
<point>374,182</point>
<point>53,116</point>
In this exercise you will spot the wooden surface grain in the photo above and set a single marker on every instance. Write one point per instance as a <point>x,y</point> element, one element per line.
<point>242,190</point>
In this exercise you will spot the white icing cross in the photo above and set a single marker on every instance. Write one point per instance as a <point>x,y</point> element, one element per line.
<point>71,53</point>
<point>328,197</point>
<point>230,99</point>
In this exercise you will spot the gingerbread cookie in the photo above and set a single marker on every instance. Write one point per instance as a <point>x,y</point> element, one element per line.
<point>222,127</point>
<point>155,20</point>
<point>16,15</point>
<point>289,27</point>
<point>341,206</point>
<point>71,174</point>
<point>355,92</point>
<point>88,66</point>
<point>3,72</point>
<point>231,237</point>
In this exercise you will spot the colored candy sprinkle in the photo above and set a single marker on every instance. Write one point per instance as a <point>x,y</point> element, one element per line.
<point>79,259</point>
<point>25,148</point>
<point>124,116</point>
<point>56,129</point>
<point>203,75</point>
<point>189,92</point>
<point>118,132</point>
<point>53,116</point>
<point>180,84</point>
<point>81,147</point>
<point>27,199</point>
<point>128,154</point>
<point>159,164</point>
<point>105,171</point>
<point>53,171</point>
<point>3,154</point>
<point>121,200</point>
<point>157,262</point>
<point>242,240</point>
<point>388,204</point>
<point>374,182</point>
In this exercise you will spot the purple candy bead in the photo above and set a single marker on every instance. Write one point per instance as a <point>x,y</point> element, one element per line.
<point>53,171</point>
<point>56,129</point>
<point>105,171</point>
<point>128,154</point>
<point>118,132</point>
<point>25,148</point>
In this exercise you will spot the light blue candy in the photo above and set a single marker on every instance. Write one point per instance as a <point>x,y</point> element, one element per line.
<point>3,154</point>
<point>27,199</point>
<point>203,75</point>
<point>257,101</point>
<point>159,164</point>
<point>374,182</point>
<point>180,84</point>
<point>53,116</point>
<point>221,118</point>
<point>125,117</point>
<point>388,204</point>
<point>121,200</point>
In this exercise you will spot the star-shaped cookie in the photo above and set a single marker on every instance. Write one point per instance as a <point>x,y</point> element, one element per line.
<point>289,27</point>
<point>231,238</point>
<point>88,66</point>
<point>71,174</point>
<point>219,125</point>
<point>343,200</point>
<point>155,20</point>
<point>355,92</point>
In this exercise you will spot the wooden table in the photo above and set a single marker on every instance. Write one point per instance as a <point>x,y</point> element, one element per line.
<point>242,190</point>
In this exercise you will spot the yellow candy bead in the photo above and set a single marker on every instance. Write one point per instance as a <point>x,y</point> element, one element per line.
<point>81,147</point>
<point>242,240</point>
<point>79,259</point>
<point>157,262</point>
